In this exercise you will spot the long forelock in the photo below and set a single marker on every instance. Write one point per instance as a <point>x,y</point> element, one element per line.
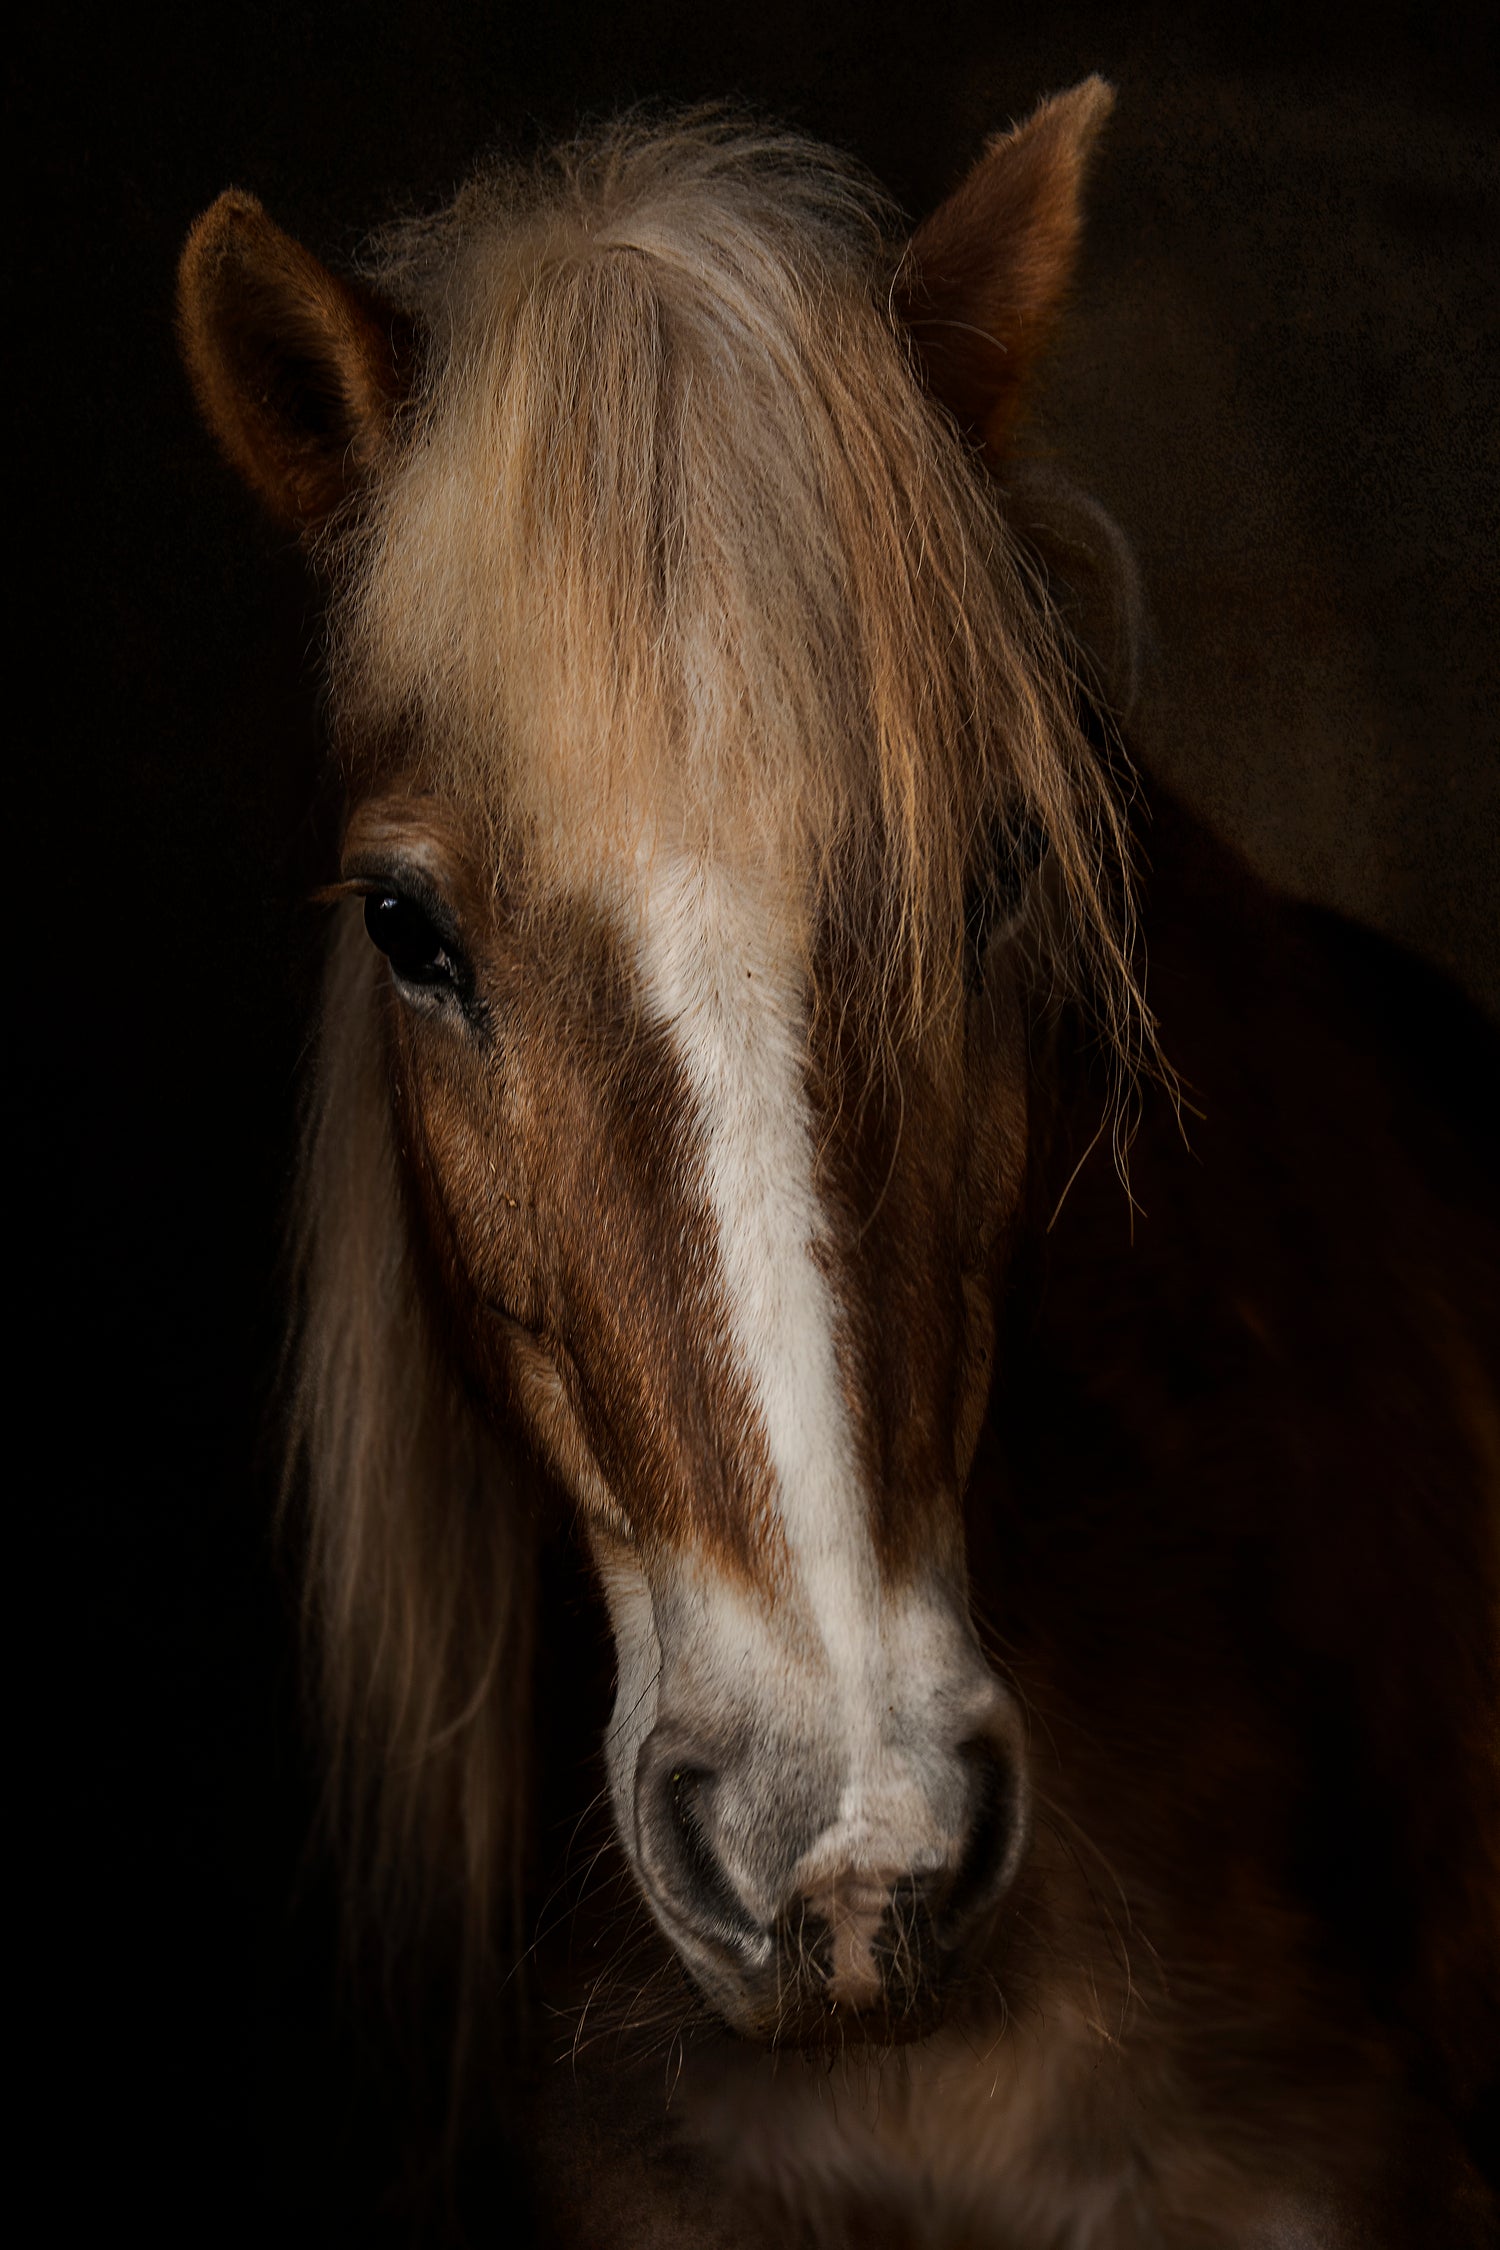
<point>673,543</point>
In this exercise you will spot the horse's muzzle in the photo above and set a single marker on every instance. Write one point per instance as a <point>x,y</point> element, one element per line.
<point>857,1952</point>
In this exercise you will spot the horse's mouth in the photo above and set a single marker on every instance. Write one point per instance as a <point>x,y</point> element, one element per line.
<point>807,2020</point>
<point>831,1983</point>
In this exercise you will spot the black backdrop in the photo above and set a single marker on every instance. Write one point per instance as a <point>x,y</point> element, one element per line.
<point>1281,379</point>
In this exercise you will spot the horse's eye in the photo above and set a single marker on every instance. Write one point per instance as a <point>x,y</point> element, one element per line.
<point>411,941</point>
<point>1013,852</point>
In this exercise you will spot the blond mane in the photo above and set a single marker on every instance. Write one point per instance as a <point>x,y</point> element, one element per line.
<point>672,537</point>
<point>670,533</point>
<point>420,1556</point>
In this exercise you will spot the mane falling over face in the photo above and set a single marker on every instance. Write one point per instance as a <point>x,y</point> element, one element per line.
<point>689,691</point>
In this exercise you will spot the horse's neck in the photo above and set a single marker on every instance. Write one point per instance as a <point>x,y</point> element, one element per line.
<point>1236,1441</point>
<point>1290,1205</point>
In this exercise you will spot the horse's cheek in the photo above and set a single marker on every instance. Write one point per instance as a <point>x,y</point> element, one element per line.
<point>450,1135</point>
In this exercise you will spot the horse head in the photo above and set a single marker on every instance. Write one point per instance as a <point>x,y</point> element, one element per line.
<point>716,800</point>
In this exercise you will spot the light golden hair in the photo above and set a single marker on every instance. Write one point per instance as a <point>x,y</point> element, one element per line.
<point>420,1558</point>
<point>672,540</point>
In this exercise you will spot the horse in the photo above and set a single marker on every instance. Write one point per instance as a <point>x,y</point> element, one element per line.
<point>1034,1449</point>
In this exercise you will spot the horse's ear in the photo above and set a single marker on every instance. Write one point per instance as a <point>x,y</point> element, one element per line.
<point>984,278</point>
<point>297,372</point>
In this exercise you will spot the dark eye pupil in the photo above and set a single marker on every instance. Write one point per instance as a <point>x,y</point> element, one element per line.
<point>407,938</point>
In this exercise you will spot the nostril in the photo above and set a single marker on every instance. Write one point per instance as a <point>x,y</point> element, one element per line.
<point>996,1829</point>
<point>695,1858</point>
<point>689,1872</point>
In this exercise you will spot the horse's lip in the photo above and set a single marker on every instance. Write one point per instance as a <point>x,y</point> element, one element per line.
<point>731,1981</point>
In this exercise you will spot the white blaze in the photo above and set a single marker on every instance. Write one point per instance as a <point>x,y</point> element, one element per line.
<point>723,973</point>
<point>876,1688</point>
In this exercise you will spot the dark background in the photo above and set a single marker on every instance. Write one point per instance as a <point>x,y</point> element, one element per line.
<point>1281,378</point>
